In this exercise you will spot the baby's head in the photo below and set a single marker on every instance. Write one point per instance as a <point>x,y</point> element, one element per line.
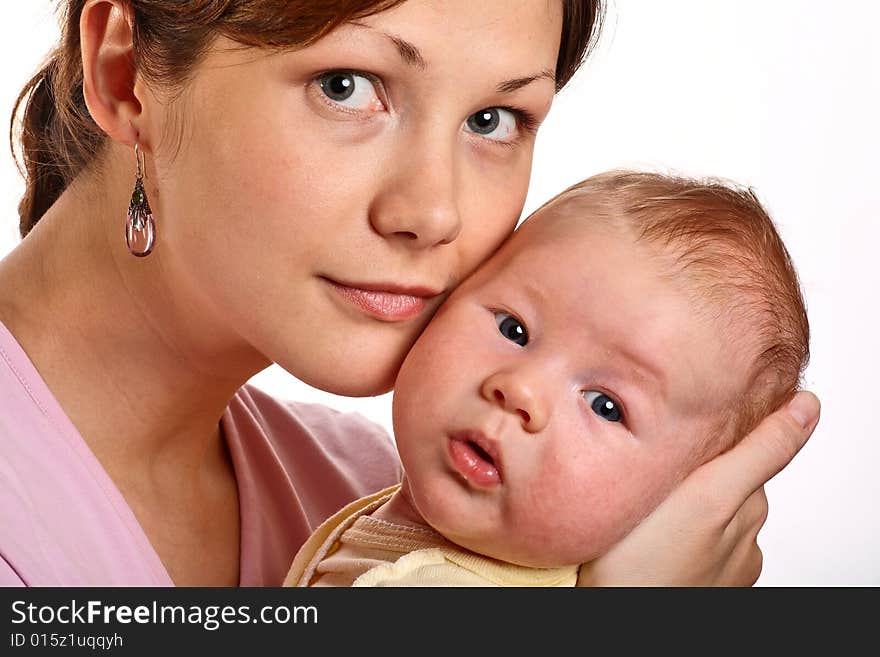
<point>631,329</point>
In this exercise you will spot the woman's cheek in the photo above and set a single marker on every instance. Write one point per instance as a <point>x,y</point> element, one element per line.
<point>493,213</point>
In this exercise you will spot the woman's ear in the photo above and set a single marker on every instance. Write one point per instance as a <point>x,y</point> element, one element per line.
<point>108,69</point>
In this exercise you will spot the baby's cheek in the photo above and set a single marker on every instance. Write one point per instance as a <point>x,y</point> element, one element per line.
<point>565,517</point>
<point>596,501</point>
<point>550,537</point>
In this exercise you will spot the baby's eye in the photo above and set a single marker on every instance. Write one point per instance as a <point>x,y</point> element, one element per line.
<point>493,123</point>
<point>511,328</point>
<point>350,89</point>
<point>603,405</point>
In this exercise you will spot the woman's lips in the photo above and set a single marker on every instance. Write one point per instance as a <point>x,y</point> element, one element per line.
<point>385,302</point>
<point>475,457</point>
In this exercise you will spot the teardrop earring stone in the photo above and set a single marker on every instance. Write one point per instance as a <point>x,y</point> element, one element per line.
<point>140,229</point>
<point>140,234</point>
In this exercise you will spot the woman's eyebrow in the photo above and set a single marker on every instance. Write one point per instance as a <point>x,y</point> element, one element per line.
<point>412,56</point>
<point>512,85</point>
<point>408,52</point>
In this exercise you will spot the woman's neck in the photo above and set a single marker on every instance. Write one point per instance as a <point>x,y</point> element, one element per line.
<point>130,357</point>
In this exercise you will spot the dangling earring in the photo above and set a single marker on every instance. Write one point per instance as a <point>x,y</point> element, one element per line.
<point>140,230</point>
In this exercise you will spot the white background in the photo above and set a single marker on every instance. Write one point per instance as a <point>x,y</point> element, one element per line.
<point>781,95</point>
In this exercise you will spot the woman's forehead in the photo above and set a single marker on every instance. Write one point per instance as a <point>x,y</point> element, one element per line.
<point>496,28</point>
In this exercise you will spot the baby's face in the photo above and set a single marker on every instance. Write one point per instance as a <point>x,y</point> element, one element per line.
<point>558,396</point>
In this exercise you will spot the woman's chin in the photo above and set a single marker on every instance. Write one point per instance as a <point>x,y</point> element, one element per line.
<point>357,377</point>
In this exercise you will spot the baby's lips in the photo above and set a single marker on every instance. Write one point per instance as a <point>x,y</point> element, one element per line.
<point>476,458</point>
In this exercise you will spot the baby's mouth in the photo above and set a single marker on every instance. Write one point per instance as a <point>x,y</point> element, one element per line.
<point>475,457</point>
<point>481,452</point>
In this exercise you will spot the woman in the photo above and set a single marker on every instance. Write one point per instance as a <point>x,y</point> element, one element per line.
<point>239,183</point>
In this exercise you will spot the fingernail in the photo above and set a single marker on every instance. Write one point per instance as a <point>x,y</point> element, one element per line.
<point>804,408</point>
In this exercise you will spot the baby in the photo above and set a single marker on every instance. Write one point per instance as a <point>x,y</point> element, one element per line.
<point>631,329</point>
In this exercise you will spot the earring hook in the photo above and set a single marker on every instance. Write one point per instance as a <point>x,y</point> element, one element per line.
<point>138,156</point>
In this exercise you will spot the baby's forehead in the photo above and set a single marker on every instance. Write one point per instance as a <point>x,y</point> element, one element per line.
<point>564,218</point>
<point>569,237</point>
<point>574,239</point>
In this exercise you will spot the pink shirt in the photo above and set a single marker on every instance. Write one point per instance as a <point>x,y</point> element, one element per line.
<point>63,522</point>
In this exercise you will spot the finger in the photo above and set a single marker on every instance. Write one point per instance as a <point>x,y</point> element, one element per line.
<point>755,510</point>
<point>749,465</point>
<point>743,566</point>
<point>753,565</point>
<point>749,519</point>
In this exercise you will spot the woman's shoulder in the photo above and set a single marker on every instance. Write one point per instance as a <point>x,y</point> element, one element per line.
<point>275,414</point>
<point>315,433</point>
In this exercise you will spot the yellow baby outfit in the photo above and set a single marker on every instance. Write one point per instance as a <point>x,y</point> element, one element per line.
<point>354,549</point>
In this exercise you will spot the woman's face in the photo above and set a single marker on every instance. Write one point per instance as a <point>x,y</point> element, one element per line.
<point>318,205</point>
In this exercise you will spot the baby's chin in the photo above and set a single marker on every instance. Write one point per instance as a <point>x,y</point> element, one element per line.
<point>536,553</point>
<point>487,532</point>
<point>537,556</point>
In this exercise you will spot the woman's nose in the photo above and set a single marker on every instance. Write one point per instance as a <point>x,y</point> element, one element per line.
<point>516,393</point>
<point>418,205</point>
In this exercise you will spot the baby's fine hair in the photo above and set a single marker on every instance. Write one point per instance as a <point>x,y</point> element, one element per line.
<point>724,246</point>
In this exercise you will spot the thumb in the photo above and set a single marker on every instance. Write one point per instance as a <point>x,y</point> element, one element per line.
<point>766,450</point>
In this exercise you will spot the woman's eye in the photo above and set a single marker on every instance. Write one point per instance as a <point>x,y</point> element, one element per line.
<point>492,123</point>
<point>511,328</point>
<point>351,90</point>
<point>603,405</point>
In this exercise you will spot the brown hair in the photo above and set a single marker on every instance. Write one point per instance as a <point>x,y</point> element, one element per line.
<point>723,242</point>
<point>58,137</point>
